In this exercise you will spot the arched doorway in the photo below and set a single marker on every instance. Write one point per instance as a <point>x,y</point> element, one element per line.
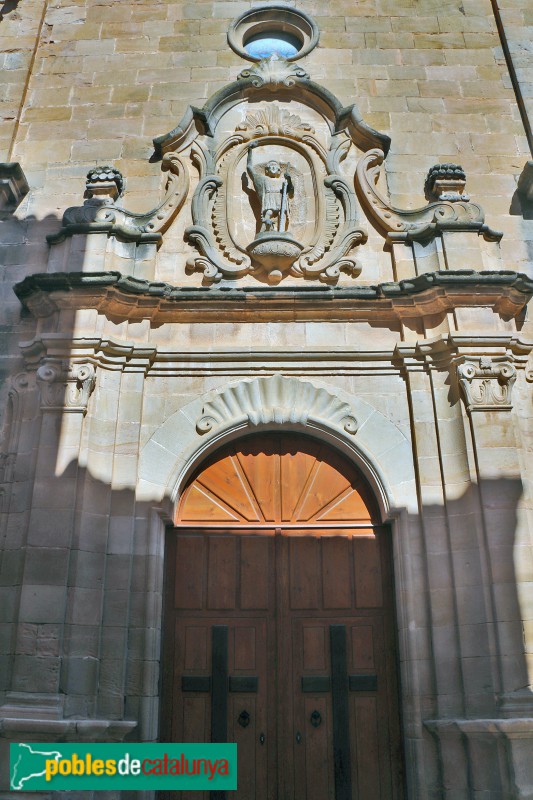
<point>279,625</point>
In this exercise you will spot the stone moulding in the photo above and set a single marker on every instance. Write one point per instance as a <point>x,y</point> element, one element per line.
<point>269,16</point>
<point>125,297</point>
<point>419,224</point>
<point>283,78</point>
<point>13,186</point>
<point>101,215</point>
<point>278,400</point>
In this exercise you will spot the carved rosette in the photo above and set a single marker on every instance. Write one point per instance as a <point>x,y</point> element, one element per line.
<point>486,384</point>
<point>65,390</point>
<point>277,400</point>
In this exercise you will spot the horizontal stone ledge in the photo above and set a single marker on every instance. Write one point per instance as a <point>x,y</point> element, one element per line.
<point>74,730</point>
<point>512,727</point>
<point>123,295</point>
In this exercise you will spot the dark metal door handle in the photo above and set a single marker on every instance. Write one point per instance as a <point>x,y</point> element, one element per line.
<point>315,719</point>
<point>298,737</point>
<point>243,719</point>
<point>262,738</point>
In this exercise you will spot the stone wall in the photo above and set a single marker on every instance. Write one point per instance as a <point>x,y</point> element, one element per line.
<point>107,381</point>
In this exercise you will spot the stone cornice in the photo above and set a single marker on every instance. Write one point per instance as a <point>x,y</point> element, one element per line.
<point>126,356</point>
<point>125,297</point>
<point>439,353</point>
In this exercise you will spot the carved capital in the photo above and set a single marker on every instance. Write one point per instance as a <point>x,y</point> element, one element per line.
<point>65,390</point>
<point>486,384</point>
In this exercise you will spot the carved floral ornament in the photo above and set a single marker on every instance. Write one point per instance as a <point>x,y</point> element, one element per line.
<point>487,384</point>
<point>276,195</point>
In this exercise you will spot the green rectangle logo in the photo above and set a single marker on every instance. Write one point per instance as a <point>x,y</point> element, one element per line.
<point>70,767</point>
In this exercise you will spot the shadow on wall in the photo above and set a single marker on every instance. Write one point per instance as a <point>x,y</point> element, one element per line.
<point>7,7</point>
<point>81,573</point>
<point>81,580</point>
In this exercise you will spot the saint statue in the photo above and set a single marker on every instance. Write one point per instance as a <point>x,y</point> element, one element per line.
<point>275,184</point>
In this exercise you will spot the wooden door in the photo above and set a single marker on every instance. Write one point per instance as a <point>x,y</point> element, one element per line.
<point>279,630</point>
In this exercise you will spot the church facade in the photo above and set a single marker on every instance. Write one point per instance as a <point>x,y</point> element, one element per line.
<point>266,402</point>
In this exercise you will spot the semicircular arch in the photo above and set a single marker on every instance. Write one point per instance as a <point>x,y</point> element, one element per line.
<point>351,425</point>
<point>277,478</point>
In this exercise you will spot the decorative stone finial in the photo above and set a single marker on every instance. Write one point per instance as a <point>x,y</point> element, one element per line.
<point>104,183</point>
<point>445,182</point>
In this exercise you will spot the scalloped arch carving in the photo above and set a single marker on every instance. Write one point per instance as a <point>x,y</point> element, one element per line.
<point>275,400</point>
<point>380,448</point>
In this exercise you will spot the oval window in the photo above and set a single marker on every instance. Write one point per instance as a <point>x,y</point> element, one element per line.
<point>273,31</point>
<point>272,43</point>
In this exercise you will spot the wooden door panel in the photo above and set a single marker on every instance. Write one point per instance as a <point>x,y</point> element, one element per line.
<point>368,572</point>
<point>189,572</point>
<point>337,575</point>
<point>316,745</point>
<point>304,572</point>
<point>222,573</point>
<point>369,778</point>
<point>285,596</point>
<point>255,572</point>
<point>308,743</point>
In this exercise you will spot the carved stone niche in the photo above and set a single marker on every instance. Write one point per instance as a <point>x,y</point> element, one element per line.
<point>274,196</point>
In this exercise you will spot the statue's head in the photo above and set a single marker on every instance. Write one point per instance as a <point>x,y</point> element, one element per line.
<point>273,169</point>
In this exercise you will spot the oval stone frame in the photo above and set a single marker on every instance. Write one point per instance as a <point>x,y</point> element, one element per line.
<point>271,19</point>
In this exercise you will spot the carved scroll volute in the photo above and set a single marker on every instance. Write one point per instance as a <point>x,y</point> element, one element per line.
<point>65,389</point>
<point>452,211</point>
<point>486,384</point>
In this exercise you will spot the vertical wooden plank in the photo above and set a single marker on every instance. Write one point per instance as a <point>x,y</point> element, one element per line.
<point>255,571</point>
<point>314,647</point>
<point>244,656</point>
<point>222,568</point>
<point>336,572</point>
<point>362,647</point>
<point>304,572</point>
<point>193,723</point>
<point>195,647</point>
<point>189,570</point>
<point>370,773</point>
<point>319,782</point>
<point>246,739</point>
<point>219,691</point>
<point>219,683</point>
<point>367,570</point>
<point>260,464</point>
<point>296,469</point>
<point>341,725</point>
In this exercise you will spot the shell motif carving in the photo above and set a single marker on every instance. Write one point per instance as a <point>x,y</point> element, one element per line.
<point>278,400</point>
